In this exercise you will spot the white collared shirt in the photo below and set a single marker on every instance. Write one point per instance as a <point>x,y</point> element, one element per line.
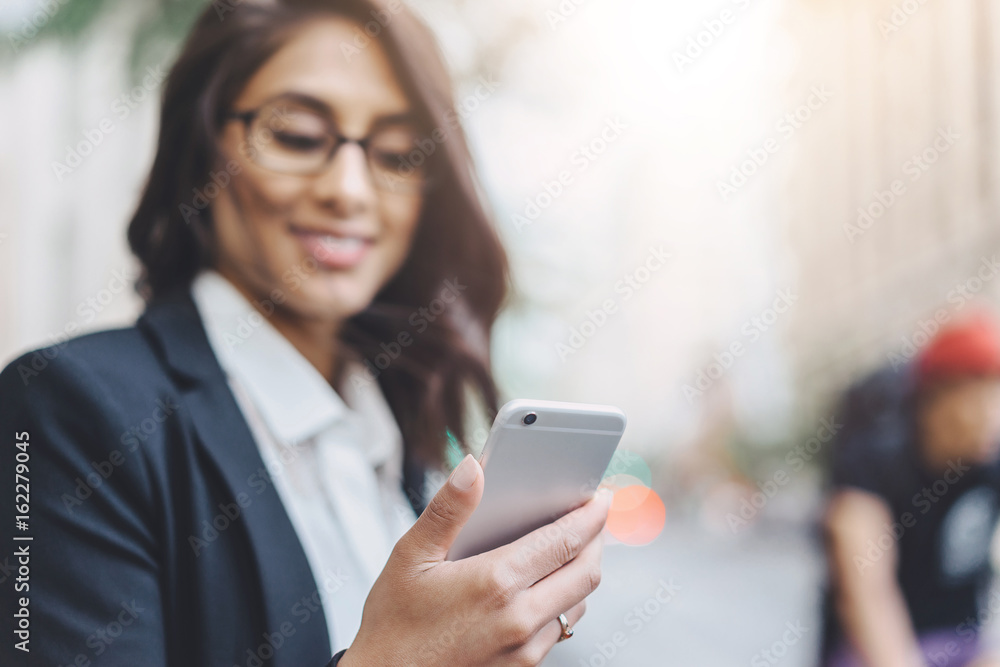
<point>336,462</point>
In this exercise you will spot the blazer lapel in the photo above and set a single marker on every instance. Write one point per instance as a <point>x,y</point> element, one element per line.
<point>283,569</point>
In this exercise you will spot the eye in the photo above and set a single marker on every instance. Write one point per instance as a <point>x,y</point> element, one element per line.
<point>388,158</point>
<point>299,142</point>
<point>295,129</point>
<point>392,145</point>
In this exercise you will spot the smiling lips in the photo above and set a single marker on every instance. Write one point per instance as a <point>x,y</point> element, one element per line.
<point>333,251</point>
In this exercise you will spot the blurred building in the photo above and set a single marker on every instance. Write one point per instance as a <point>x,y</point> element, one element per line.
<point>735,139</point>
<point>915,104</point>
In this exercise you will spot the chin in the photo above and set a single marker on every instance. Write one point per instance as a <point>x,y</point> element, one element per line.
<point>990,456</point>
<point>337,296</point>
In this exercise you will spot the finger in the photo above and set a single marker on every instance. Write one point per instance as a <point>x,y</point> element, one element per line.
<point>437,527</point>
<point>548,548</point>
<point>568,585</point>
<point>539,646</point>
<point>553,629</point>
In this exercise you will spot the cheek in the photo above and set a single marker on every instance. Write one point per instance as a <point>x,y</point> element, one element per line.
<point>267,194</point>
<point>250,217</point>
<point>257,191</point>
<point>399,220</point>
<point>257,204</point>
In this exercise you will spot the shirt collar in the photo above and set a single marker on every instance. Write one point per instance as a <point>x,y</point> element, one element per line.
<point>294,399</point>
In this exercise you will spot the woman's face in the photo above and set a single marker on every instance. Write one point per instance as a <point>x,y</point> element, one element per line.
<point>328,241</point>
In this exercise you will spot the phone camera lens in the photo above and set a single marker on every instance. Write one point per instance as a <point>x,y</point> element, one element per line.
<point>530,418</point>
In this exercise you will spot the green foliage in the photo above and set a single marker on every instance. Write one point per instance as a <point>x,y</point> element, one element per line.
<point>163,25</point>
<point>72,19</point>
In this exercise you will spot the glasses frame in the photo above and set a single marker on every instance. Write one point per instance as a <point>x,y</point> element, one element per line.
<point>248,116</point>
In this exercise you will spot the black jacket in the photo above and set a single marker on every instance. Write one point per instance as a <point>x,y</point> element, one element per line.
<point>157,536</point>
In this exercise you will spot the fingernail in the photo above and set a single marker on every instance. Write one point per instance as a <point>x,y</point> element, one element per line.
<point>605,494</point>
<point>464,476</point>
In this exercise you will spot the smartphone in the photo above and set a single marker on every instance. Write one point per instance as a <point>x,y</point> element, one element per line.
<point>541,460</point>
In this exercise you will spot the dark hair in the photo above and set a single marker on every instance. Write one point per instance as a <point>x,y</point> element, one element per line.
<point>427,384</point>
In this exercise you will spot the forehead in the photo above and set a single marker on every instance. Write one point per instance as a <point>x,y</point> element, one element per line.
<point>987,385</point>
<point>962,390</point>
<point>320,60</point>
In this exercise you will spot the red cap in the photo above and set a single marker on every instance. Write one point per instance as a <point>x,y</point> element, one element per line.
<point>969,347</point>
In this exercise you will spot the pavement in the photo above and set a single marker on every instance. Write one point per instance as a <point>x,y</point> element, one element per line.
<point>693,598</point>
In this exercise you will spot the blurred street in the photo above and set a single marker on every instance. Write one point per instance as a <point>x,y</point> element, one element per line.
<point>719,217</point>
<point>735,598</point>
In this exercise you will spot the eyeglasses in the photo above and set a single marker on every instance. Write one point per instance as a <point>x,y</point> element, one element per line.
<point>286,136</point>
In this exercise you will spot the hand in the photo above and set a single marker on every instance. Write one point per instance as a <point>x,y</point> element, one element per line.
<point>497,608</point>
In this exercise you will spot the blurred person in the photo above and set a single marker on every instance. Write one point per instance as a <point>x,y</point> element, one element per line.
<point>231,480</point>
<point>915,480</point>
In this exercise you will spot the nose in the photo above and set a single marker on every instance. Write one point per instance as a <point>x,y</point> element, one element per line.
<point>345,186</point>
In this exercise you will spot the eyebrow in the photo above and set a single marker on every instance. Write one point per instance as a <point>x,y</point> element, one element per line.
<point>399,118</point>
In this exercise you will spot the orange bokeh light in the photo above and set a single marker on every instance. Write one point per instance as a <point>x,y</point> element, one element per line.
<point>637,515</point>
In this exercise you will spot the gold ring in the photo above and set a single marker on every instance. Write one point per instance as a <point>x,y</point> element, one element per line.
<point>567,631</point>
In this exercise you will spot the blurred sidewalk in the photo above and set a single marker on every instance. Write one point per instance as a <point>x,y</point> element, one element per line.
<point>734,598</point>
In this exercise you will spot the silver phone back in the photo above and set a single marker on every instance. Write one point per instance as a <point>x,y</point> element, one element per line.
<point>537,473</point>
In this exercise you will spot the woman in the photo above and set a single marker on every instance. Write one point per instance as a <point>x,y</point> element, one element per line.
<point>229,481</point>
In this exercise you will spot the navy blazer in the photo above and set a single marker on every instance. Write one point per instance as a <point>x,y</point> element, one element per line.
<point>156,534</point>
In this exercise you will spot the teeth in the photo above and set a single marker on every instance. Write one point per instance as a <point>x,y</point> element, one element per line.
<point>341,243</point>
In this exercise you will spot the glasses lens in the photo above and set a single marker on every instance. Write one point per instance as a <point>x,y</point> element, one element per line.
<point>290,138</point>
<point>397,160</point>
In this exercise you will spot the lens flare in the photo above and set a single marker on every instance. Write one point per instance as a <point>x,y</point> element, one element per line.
<point>625,462</point>
<point>637,515</point>
<point>618,482</point>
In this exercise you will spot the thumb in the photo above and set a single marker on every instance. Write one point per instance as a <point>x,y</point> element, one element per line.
<point>439,524</point>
